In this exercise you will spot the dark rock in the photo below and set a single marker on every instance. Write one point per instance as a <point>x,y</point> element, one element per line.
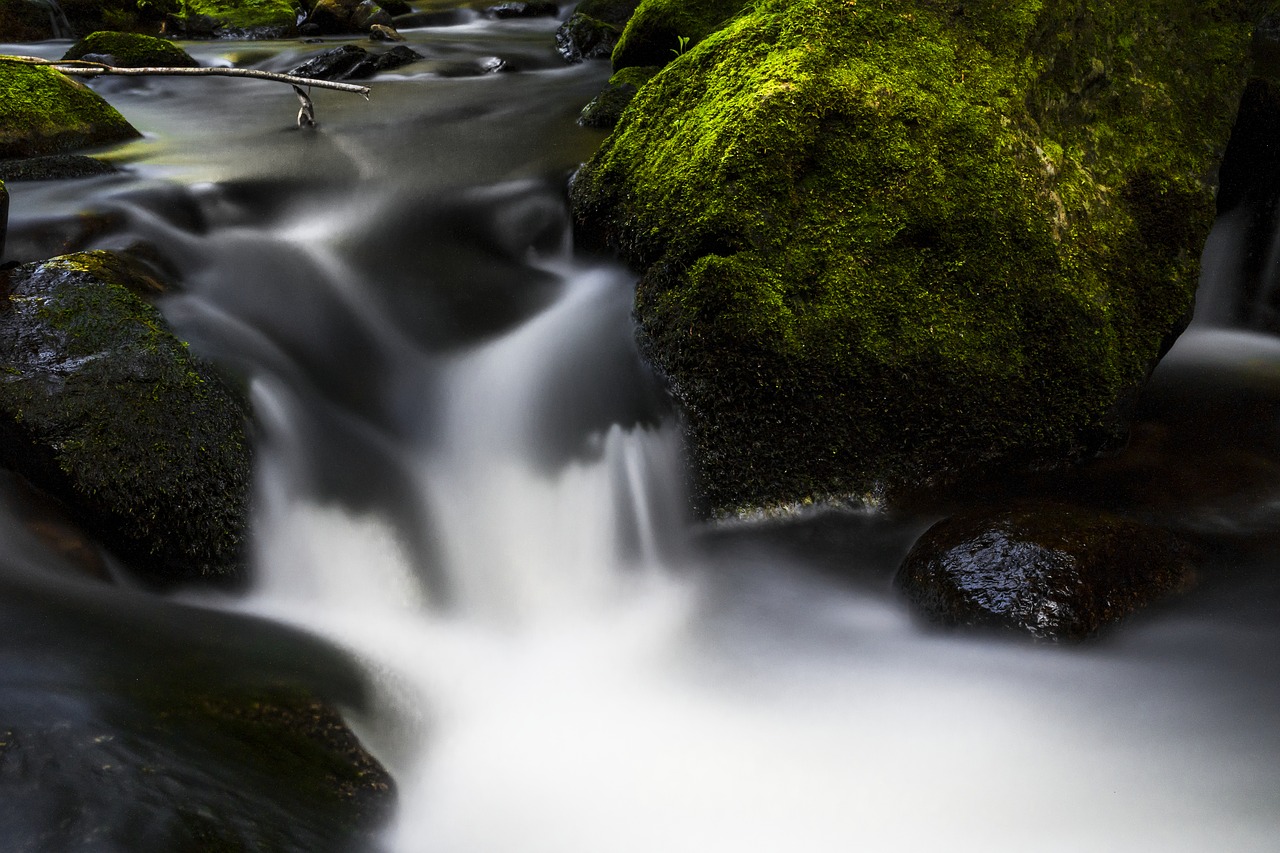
<point>103,408</point>
<point>348,16</point>
<point>350,62</point>
<point>583,37</point>
<point>130,50</point>
<point>395,8</point>
<point>54,167</point>
<point>1054,571</point>
<point>531,9</point>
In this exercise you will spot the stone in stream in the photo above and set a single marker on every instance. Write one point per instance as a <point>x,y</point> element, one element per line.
<point>54,167</point>
<point>1053,571</point>
<point>347,16</point>
<point>885,249</point>
<point>103,408</point>
<point>44,112</point>
<point>130,50</point>
<point>349,62</point>
<point>521,9</point>
<point>593,29</point>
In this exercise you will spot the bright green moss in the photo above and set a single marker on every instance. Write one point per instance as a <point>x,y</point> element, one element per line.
<point>45,112</point>
<point>131,50</point>
<point>887,244</point>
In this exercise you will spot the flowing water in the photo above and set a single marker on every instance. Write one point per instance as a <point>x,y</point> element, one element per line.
<point>471,527</point>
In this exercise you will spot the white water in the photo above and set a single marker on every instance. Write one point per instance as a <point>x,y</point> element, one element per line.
<point>577,688</point>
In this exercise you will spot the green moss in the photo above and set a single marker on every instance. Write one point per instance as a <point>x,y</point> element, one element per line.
<point>131,50</point>
<point>44,112</point>
<point>110,412</point>
<point>652,36</point>
<point>246,14</point>
<point>887,243</point>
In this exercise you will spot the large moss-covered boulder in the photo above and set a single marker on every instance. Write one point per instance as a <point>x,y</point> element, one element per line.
<point>889,245</point>
<point>101,406</point>
<point>44,112</point>
<point>234,18</point>
<point>130,50</point>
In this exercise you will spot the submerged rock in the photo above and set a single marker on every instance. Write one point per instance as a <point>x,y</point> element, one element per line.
<point>54,167</point>
<point>349,62</point>
<point>130,50</point>
<point>44,112</point>
<point>102,407</point>
<point>887,247</point>
<point>1053,571</point>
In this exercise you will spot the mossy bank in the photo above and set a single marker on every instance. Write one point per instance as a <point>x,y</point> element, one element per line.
<point>890,245</point>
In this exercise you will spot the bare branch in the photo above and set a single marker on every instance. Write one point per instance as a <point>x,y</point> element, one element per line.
<point>81,68</point>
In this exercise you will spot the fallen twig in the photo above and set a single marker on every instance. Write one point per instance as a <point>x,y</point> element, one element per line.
<point>306,115</point>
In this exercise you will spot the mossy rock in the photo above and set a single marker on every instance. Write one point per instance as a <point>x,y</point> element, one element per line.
<point>45,112</point>
<point>102,407</point>
<point>240,18</point>
<point>131,50</point>
<point>606,108</point>
<point>653,34</point>
<point>1053,571</point>
<point>886,246</point>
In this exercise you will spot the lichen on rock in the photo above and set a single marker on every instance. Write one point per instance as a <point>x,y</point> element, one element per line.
<point>889,245</point>
<point>101,406</point>
<point>45,112</point>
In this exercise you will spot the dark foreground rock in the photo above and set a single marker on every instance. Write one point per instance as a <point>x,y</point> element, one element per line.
<point>1054,571</point>
<point>130,50</point>
<point>44,112</point>
<point>102,407</point>
<point>885,248</point>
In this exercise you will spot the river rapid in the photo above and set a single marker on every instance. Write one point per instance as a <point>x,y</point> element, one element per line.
<point>471,528</point>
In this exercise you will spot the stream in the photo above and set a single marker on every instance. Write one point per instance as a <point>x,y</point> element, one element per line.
<point>471,529</point>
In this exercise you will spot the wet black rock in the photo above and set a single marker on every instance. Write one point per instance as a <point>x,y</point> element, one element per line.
<point>1054,571</point>
<point>531,9</point>
<point>350,62</point>
<point>593,30</point>
<point>54,167</point>
<point>103,408</point>
<point>606,108</point>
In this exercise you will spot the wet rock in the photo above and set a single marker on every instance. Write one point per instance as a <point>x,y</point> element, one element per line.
<point>350,62</point>
<point>532,9</point>
<point>54,167</point>
<point>593,30</point>
<point>130,50</point>
<point>378,32</point>
<point>348,16</point>
<point>47,113</point>
<point>1053,571</point>
<point>605,109</point>
<point>102,407</point>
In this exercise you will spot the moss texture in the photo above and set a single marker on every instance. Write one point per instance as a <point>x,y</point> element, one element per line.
<point>652,36</point>
<point>44,112</point>
<point>889,244</point>
<point>132,50</point>
<point>247,14</point>
<point>101,406</point>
